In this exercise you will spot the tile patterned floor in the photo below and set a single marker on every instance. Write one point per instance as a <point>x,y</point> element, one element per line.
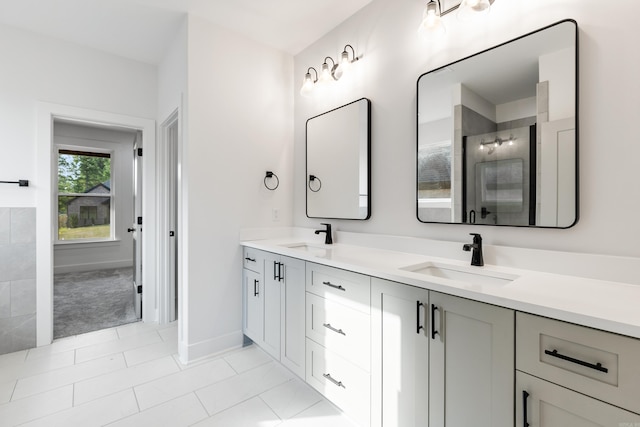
<point>131,376</point>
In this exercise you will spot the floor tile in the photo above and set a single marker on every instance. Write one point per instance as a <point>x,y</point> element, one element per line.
<point>184,411</point>
<point>85,391</point>
<point>227,393</point>
<point>74,342</point>
<point>150,352</point>
<point>104,349</point>
<point>68,375</point>
<point>14,371</point>
<point>251,413</point>
<point>247,358</point>
<point>96,413</point>
<point>15,357</point>
<point>138,328</point>
<point>169,334</point>
<point>183,382</point>
<point>290,398</point>
<point>6,390</point>
<point>322,414</point>
<point>33,407</point>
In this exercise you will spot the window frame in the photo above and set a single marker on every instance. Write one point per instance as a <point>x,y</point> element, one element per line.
<point>112,193</point>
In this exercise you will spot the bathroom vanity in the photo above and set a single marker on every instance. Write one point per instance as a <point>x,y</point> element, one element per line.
<point>405,339</point>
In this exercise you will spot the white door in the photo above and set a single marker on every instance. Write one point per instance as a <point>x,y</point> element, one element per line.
<point>136,227</point>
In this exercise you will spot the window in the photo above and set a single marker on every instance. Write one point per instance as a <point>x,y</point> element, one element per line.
<point>85,197</point>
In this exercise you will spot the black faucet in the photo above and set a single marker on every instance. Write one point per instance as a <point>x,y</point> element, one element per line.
<point>328,240</point>
<point>476,255</point>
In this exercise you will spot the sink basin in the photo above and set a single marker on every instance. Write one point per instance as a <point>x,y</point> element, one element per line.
<point>314,250</point>
<point>472,275</point>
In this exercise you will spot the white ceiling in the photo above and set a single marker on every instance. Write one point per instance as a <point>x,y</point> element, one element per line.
<point>141,29</point>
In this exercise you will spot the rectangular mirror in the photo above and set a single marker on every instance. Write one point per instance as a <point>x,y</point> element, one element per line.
<point>338,162</point>
<point>497,134</point>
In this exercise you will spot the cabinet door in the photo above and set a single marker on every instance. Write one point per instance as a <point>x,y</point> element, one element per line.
<point>471,363</point>
<point>540,403</point>
<point>400,355</point>
<point>292,331</point>
<point>253,313</point>
<point>272,308</point>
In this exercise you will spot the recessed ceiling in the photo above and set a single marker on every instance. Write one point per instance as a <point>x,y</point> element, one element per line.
<point>141,29</point>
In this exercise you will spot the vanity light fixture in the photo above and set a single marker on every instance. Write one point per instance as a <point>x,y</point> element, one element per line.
<point>432,16</point>
<point>329,73</point>
<point>495,143</point>
<point>309,83</point>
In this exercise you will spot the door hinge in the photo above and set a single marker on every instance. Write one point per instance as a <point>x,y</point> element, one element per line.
<point>139,220</point>
<point>139,289</point>
<point>139,151</point>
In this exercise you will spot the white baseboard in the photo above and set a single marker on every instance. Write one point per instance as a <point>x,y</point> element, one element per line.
<point>190,353</point>
<point>73,268</point>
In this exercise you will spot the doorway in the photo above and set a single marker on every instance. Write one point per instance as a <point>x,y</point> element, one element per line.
<point>95,195</point>
<point>47,113</point>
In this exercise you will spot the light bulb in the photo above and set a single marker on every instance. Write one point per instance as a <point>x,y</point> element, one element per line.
<point>431,21</point>
<point>468,9</point>
<point>307,86</point>
<point>325,75</point>
<point>482,146</point>
<point>495,144</point>
<point>344,66</point>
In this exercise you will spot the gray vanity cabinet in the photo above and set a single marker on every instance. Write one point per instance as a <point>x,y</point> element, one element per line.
<point>471,359</point>
<point>400,358</point>
<point>253,295</point>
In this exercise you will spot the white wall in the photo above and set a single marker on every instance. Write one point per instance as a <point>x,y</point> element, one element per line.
<point>393,58</point>
<point>117,253</point>
<point>240,125</point>
<point>37,68</point>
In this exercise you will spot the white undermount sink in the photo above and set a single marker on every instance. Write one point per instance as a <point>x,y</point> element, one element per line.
<point>315,250</point>
<point>472,275</point>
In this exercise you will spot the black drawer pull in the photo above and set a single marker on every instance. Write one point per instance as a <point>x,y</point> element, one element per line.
<point>331,328</point>
<point>525,396</point>
<point>339,287</point>
<point>255,287</point>
<point>418,325</point>
<point>330,378</point>
<point>598,366</point>
<point>250,259</point>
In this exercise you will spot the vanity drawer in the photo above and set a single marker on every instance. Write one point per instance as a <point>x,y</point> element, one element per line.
<point>341,329</point>
<point>253,259</point>
<point>345,287</point>
<point>597,363</point>
<point>340,381</point>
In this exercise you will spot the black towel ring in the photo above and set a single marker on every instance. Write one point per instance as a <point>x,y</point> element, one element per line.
<point>314,178</point>
<point>271,175</point>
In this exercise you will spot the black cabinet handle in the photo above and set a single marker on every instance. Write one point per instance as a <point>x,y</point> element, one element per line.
<point>598,366</point>
<point>330,378</point>
<point>280,272</point>
<point>275,275</point>
<point>331,285</point>
<point>255,287</point>
<point>433,321</point>
<point>331,328</point>
<point>418,325</point>
<point>525,396</point>
<point>250,259</point>
<point>130,230</point>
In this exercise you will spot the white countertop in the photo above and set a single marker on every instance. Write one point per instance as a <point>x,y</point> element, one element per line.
<point>610,306</point>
